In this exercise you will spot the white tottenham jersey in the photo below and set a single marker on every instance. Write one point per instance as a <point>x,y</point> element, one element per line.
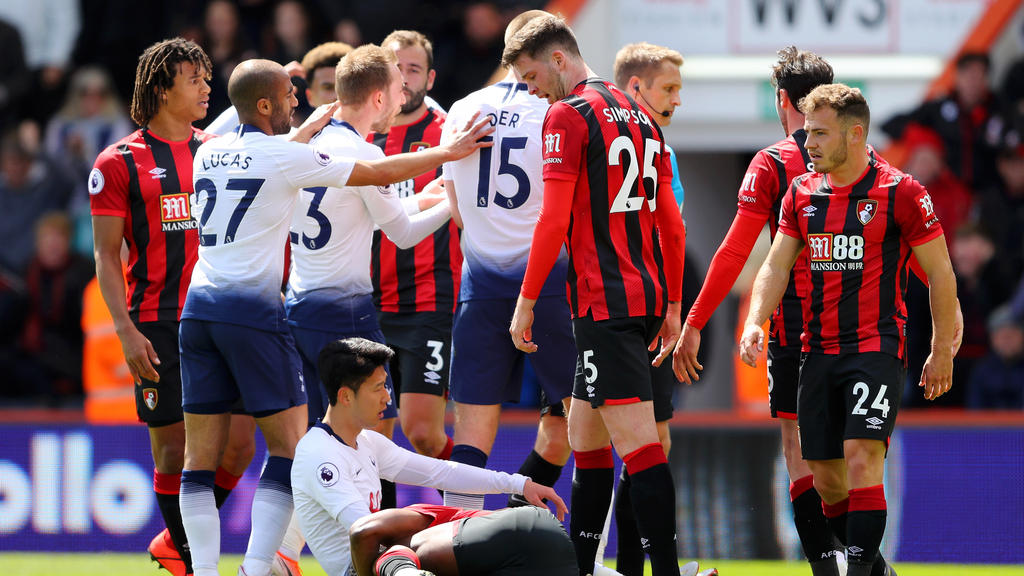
<point>246,184</point>
<point>332,232</point>
<point>333,485</point>
<point>499,190</point>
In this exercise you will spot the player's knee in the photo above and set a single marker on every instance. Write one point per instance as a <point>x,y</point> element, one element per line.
<point>168,458</point>
<point>363,530</point>
<point>238,453</point>
<point>425,438</point>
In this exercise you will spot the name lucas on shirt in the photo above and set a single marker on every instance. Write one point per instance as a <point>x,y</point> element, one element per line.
<point>226,160</point>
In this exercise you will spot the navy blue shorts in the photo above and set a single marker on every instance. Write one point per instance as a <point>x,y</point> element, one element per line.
<point>487,368</point>
<point>221,362</point>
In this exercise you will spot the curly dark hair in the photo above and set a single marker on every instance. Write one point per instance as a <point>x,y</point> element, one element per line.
<point>155,74</point>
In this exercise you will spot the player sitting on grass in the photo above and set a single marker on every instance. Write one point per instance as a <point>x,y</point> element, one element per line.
<point>339,463</point>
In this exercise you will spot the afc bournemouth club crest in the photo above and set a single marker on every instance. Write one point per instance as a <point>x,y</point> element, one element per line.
<point>866,210</point>
<point>418,146</point>
<point>150,397</point>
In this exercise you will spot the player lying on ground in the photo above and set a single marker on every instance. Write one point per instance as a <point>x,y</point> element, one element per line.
<point>450,541</point>
<point>339,463</point>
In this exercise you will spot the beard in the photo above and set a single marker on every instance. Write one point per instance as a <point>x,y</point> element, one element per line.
<point>413,100</point>
<point>281,122</point>
<point>832,161</point>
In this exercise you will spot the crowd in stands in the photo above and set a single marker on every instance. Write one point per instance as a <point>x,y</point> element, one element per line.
<point>966,147</point>
<point>67,73</point>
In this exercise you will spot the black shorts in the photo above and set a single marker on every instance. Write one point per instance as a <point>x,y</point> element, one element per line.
<point>524,541</point>
<point>847,396</point>
<point>783,378</point>
<point>614,366</point>
<point>547,407</point>
<point>663,385</point>
<point>422,342</point>
<point>159,403</point>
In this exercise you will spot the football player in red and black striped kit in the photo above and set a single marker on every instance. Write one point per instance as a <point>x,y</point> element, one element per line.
<point>608,196</point>
<point>860,221</point>
<point>760,197</point>
<point>415,288</point>
<point>140,191</point>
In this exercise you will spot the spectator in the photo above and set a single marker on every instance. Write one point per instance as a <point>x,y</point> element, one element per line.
<point>51,340</point>
<point>997,382</point>
<point>980,288</point>
<point>48,30</point>
<point>28,189</point>
<point>291,33</point>
<point>14,76</point>
<point>1001,207</point>
<point>466,64</point>
<point>91,119</point>
<point>224,42</point>
<point>967,120</point>
<point>926,163</point>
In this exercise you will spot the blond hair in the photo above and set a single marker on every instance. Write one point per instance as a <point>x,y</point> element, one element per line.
<point>848,103</point>
<point>362,72</point>
<point>643,60</point>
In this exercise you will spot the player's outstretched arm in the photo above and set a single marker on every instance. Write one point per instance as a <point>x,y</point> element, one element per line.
<point>385,528</point>
<point>769,286</point>
<point>937,374</point>
<point>536,494</point>
<point>411,164</point>
<point>107,234</point>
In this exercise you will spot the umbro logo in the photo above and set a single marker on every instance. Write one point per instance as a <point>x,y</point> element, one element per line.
<point>158,173</point>
<point>875,420</point>
<point>855,550</point>
<point>809,210</point>
<point>590,391</point>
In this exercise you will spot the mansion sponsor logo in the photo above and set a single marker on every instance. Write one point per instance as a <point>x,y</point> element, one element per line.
<point>176,213</point>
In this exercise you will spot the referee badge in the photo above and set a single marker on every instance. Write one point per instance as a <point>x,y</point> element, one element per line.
<point>866,210</point>
<point>150,397</point>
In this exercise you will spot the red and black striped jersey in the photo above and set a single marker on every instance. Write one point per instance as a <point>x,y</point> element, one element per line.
<point>764,185</point>
<point>148,181</point>
<point>858,240</point>
<point>599,137</point>
<point>424,278</point>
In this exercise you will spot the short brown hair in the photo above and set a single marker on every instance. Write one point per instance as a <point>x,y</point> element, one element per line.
<point>326,55</point>
<point>848,103</point>
<point>519,21</point>
<point>643,60</point>
<point>407,38</point>
<point>800,71</point>
<point>158,65</point>
<point>361,72</point>
<point>539,36</point>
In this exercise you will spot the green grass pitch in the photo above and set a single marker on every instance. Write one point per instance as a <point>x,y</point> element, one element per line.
<point>111,564</point>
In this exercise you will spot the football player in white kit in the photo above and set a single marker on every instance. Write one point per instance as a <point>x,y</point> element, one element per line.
<point>496,195</point>
<point>339,463</point>
<point>330,295</point>
<point>234,341</point>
